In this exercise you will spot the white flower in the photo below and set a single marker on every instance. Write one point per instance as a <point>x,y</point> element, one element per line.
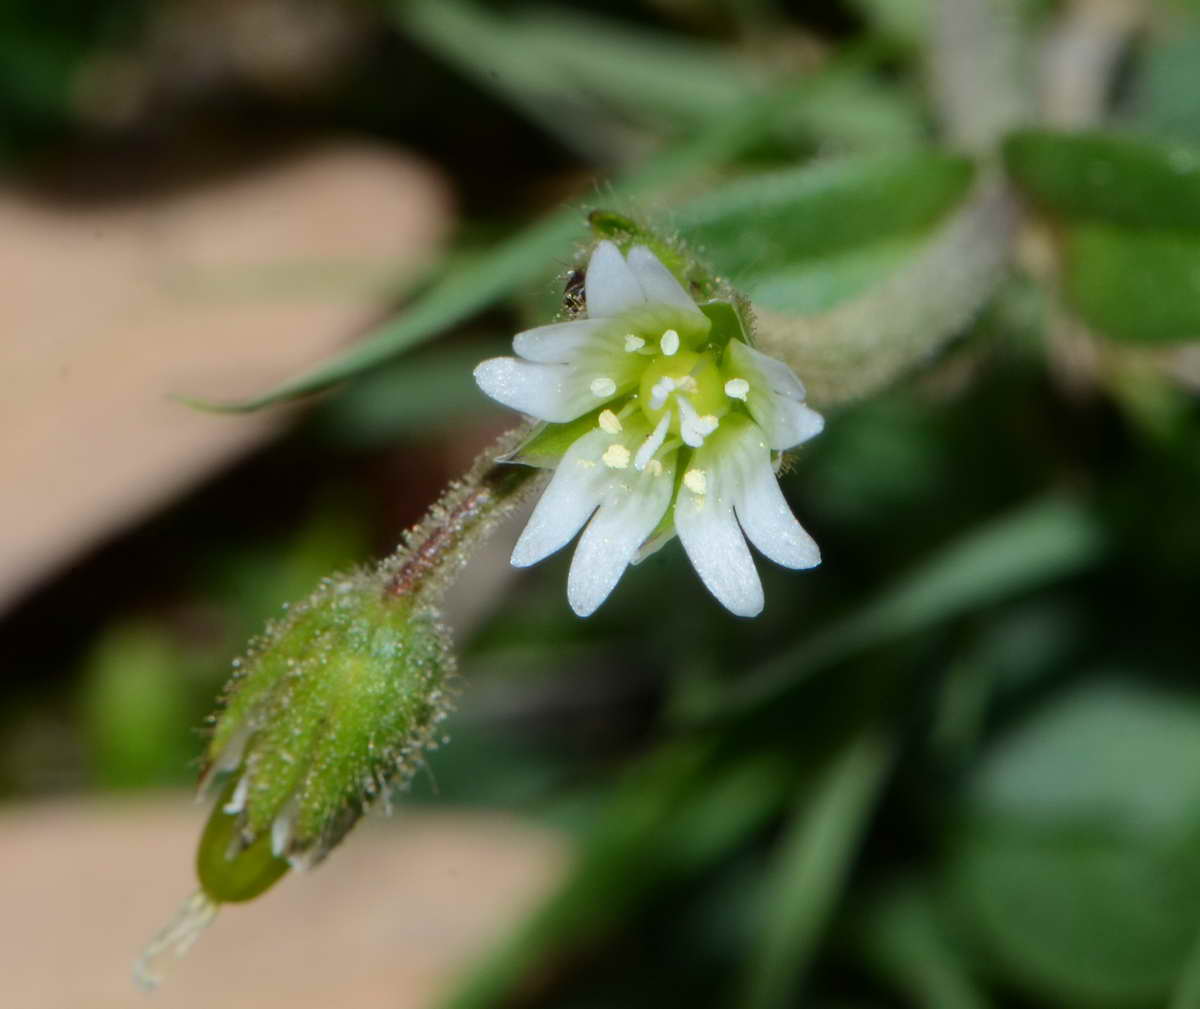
<point>679,436</point>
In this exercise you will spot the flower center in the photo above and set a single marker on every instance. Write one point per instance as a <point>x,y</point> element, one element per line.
<point>687,388</point>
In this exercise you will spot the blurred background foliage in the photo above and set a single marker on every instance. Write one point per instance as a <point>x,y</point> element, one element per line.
<point>956,766</point>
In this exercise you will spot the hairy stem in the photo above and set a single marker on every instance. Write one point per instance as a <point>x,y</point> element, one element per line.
<point>436,550</point>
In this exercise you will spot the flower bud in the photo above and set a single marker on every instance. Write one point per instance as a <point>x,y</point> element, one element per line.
<point>333,705</point>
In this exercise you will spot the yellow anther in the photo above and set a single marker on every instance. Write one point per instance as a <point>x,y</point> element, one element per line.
<point>616,456</point>
<point>696,480</point>
<point>737,388</point>
<point>603,387</point>
<point>610,423</point>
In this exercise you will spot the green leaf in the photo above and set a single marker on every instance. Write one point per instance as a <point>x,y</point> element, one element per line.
<point>813,863</point>
<point>501,59</point>
<point>1037,543</point>
<point>898,319</point>
<point>414,395</point>
<point>846,108</point>
<point>816,285</point>
<point>903,937</point>
<point>1107,177</point>
<point>1186,994</point>
<point>906,20</point>
<point>654,75</point>
<point>471,285</point>
<point>803,240</point>
<point>573,73</point>
<point>1139,286</point>
<point>763,223</point>
<point>680,809</point>
<point>1163,92</point>
<point>468,287</point>
<point>1123,756</point>
<point>1080,920</point>
<point>1078,871</point>
<point>135,707</point>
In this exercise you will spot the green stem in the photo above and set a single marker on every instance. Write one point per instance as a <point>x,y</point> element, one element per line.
<point>436,550</point>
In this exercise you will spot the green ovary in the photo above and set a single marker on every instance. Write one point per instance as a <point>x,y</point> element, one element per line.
<point>696,376</point>
<point>229,873</point>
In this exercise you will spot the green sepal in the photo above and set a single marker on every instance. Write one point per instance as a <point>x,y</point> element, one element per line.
<point>338,701</point>
<point>229,870</point>
<point>728,322</point>
<point>549,442</point>
<point>696,279</point>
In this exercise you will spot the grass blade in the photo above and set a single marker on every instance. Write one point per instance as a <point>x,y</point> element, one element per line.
<point>813,864</point>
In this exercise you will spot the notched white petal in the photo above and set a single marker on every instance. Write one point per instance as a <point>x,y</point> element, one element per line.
<point>574,492</point>
<point>761,507</point>
<point>714,544</point>
<point>610,284</point>
<point>631,509</point>
<point>780,378</point>
<point>793,424</point>
<point>559,343</point>
<point>550,392</point>
<point>657,282</point>
<point>775,397</point>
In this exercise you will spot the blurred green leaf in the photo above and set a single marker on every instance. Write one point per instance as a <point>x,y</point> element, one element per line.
<point>408,396</point>
<point>581,76</point>
<point>1041,541</point>
<point>470,286</point>
<point>474,283</point>
<point>759,225</point>
<point>803,240</point>
<point>1140,286</point>
<point>816,285</point>
<point>900,318</point>
<point>668,77</point>
<point>665,82</point>
<point>675,812</point>
<point>845,108</point>
<point>1027,642</point>
<point>43,49</point>
<point>136,708</point>
<point>904,938</point>
<point>1079,868</point>
<point>1186,994</point>
<point>1108,177</point>
<point>253,578</point>
<point>1081,920</point>
<point>1165,97</point>
<point>811,869</point>
<point>1119,755</point>
<point>906,20</point>
<point>506,61</point>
